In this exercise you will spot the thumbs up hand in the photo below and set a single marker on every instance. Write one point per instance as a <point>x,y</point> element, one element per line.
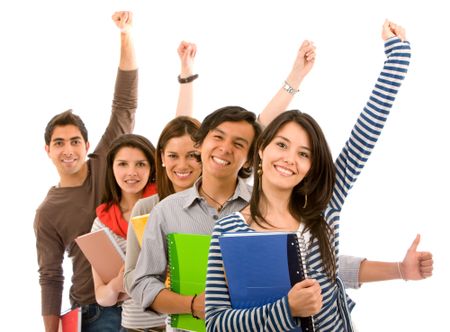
<point>416,265</point>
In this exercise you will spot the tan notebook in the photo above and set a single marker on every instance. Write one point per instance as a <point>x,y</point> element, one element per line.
<point>103,252</point>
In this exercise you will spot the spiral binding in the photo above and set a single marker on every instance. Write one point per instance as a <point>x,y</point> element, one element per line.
<point>307,323</point>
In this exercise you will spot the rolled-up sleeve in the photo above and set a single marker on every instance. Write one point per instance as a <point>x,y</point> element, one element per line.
<point>349,270</point>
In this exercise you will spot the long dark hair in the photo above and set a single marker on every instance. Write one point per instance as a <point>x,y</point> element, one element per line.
<point>317,184</point>
<point>112,193</point>
<point>231,114</point>
<point>178,127</point>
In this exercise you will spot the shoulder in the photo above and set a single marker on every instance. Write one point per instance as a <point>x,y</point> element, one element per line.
<point>178,199</point>
<point>232,222</point>
<point>145,205</point>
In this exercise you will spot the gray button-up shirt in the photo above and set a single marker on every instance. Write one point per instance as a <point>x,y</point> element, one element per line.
<point>183,212</point>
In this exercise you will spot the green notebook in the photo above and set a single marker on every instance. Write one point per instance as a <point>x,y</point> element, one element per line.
<point>188,260</point>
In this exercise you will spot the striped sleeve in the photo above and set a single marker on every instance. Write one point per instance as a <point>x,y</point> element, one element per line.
<point>219,314</point>
<point>371,120</point>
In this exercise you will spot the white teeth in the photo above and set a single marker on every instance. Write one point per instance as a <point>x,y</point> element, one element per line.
<point>131,181</point>
<point>182,175</point>
<point>220,161</point>
<point>284,171</point>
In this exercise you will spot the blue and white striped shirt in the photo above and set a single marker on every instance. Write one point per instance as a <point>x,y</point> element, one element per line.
<point>277,316</point>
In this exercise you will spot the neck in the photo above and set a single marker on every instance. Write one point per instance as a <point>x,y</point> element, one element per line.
<point>219,189</point>
<point>127,203</point>
<point>74,180</point>
<point>274,206</point>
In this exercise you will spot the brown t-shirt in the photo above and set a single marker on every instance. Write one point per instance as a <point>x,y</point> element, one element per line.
<point>69,212</point>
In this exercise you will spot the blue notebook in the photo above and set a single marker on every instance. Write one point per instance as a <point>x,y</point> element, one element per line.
<point>261,267</point>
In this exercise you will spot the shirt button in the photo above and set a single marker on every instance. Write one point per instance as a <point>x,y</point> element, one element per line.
<point>215,217</point>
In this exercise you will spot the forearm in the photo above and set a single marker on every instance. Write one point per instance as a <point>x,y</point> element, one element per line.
<point>168,302</point>
<point>106,294</point>
<point>379,271</point>
<point>127,52</point>
<point>185,99</point>
<point>280,102</point>
<point>51,323</point>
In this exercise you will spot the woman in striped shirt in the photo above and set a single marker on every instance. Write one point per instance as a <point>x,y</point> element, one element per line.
<point>297,187</point>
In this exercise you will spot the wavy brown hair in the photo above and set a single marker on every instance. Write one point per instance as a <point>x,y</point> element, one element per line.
<point>317,184</point>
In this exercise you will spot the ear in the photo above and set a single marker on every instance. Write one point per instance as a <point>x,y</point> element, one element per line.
<point>260,154</point>
<point>162,157</point>
<point>87,146</point>
<point>47,149</point>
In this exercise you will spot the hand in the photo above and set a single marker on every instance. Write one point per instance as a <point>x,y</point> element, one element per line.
<point>117,281</point>
<point>416,265</point>
<point>303,63</point>
<point>390,29</point>
<point>123,20</point>
<point>305,298</point>
<point>199,306</point>
<point>187,51</point>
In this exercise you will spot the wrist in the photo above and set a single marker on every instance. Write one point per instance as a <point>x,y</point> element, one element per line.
<point>192,307</point>
<point>189,79</point>
<point>289,88</point>
<point>401,271</point>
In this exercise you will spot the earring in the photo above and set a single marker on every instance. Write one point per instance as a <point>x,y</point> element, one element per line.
<point>259,171</point>
<point>162,164</point>
<point>306,201</point>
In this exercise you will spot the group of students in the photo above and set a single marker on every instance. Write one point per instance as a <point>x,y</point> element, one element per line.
<point>195,181</point>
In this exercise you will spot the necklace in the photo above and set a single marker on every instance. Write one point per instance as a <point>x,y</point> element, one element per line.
<point>220,205</point>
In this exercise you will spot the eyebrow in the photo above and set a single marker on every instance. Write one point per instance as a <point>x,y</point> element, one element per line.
<point>59,139</point>
<point>287,140</point>
<point>237,138</point>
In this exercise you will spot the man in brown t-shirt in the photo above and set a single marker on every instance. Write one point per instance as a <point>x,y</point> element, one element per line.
<point>68,210</point>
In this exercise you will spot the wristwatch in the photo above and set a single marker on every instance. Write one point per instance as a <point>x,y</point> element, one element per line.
<point>289,89</point>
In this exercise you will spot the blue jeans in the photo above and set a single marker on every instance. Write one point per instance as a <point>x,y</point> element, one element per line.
<point>101,319</point>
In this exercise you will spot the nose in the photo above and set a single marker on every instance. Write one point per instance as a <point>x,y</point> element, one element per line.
<point>226,146</point>
<point>289,158</point>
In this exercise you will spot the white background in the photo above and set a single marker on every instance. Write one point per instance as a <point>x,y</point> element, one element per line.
<point>57,55</point>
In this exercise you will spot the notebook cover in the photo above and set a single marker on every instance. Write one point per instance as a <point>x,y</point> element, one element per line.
<point>70,321</point>
<point>138,224</point>
<point>188,260</point>
<point>262,267</point>
<point>103,252</point>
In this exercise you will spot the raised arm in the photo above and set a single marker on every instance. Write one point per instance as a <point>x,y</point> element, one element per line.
<point>303,63</point>
<point>373,117</point>
<point>186,52</point>
<point>124,21</point>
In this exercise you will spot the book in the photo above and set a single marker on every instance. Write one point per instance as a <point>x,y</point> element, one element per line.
<point>261,267</point>
<point>103,252</point>
<point>188,260</point>
<point>70,321</point>
<point>138,223</point>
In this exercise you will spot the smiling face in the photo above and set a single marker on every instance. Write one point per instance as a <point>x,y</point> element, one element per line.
<point>67,150</point>
<point>286,159</point>
<point>131,170</point>
<point>181,162</point>
<point>224,150</point>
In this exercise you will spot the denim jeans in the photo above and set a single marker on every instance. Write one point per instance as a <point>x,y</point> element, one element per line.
<point>101,319</point>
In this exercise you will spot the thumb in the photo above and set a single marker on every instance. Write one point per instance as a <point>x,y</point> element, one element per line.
<point>415,243</point>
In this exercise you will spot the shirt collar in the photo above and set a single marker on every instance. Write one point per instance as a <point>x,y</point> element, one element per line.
<point>242,190</point>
